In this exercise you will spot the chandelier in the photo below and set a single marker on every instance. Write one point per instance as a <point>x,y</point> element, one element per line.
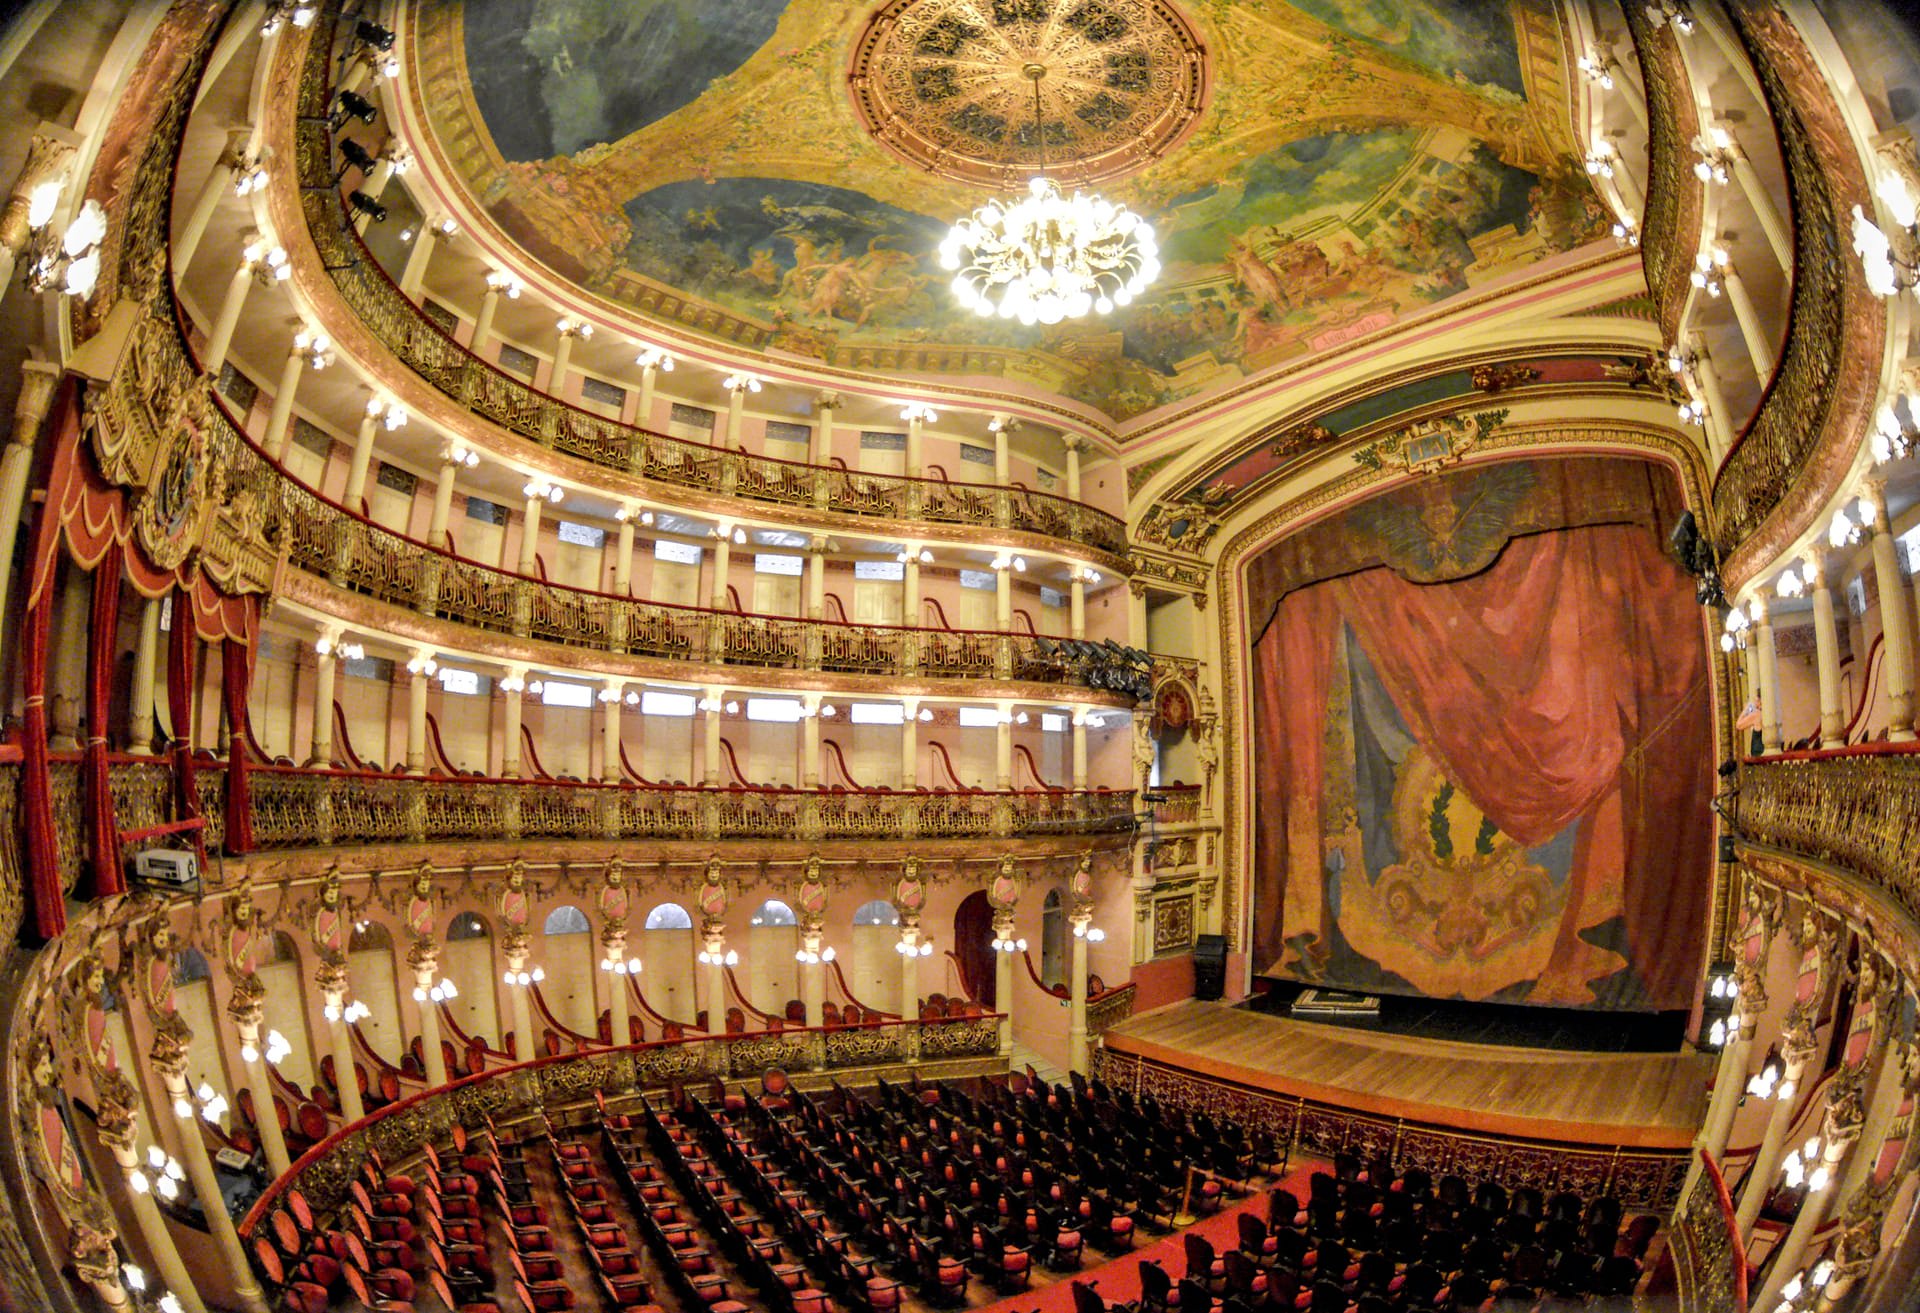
<point>1049,256</point>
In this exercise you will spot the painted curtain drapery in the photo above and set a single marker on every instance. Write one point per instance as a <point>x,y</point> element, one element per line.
<point>1490,787</point>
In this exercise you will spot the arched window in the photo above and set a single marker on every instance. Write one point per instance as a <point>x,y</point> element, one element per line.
<point>1053,939</point>
<point>280,948</point>
<point>877,912</point>
<point>774,912</point>
<point>568,920</point>
<point>368,935</point>
<point>467,925</point>
<point>669,916</point>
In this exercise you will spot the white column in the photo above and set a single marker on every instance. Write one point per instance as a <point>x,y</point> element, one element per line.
<point>653,361</point>
<point>146,662</point>
<point>219,180</point>
<point>1707,374</point>
<point>1137,614</point>
<point>712,705</point>
<point>356,489</point>
<point>498,285</point>
<point>909,1004</point>
<point>737,385</point>
<point>1077,603</point>
<point>1835,1141</point>
<point>37,382</point>
<point>280,419</point>
<point>1080,750</point>
<point>1002,457</point>
<point>1077,993</point>
<point>909,743</point>
<point>351,1109</point>
<point>426,964</point>
<point>569,330</point>
<point>420,671</point>
<point>1826,651</point>
<point>248,1012</point>
<point>1764,209</point>
<point>610,730</point>
<point>228,319</point>
<point>810,742</point>
<point>910,587</point>
<point>722,562</point>
<point>513,689</point>
<point>916,416</point>
<point>414,275</point>
<point>1003,597</point>
<point>1893,613</point>
<point>817,577</point>
<point>442,505</point>
<point>1752,331</point>
<point>623,556</point>
<point>1003,977</point>
<point>1003,749</point>
<point>712,983</point>
<point>536,493</point>
<point>1796,1049</point>
<point>813,976</point>
<point>1768,665</point>
<point>525,1042</point>
<point>321,754</point>
<point>206,1185</point>
<point>619,1032</point>
<point>120,1132</point>
<point>820,450</point>
<point>1074,444</point>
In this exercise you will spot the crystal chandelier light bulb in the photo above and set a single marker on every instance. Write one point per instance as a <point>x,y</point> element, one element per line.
<point>1049,256</point>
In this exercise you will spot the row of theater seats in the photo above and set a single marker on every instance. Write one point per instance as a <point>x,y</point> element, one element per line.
<point>1373,1241</point>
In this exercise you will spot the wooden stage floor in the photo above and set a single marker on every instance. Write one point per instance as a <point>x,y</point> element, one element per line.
<point>1643,1100</point>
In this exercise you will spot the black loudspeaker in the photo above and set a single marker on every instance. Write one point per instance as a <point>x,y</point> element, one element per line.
<point>1209,966</point>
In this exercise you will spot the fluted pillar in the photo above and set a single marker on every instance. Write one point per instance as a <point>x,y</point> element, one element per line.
<point>531,509</point>
<point>909,742</point>
<point>722,563</point>
<point>1826,651</point>
<point>711,988</point>
<point>1752,331</point>
<point>394,161</point>
<point>219,180</point>
<point>615,940</point>
<point>1074,444</point>
<point>1080,750</point>
<point>910,587</point>
<point>321,754</point>
<point>910,935</point>
<point>1003,596</point>
<point>1077,603</point>
<point>1894,622</point>
<point>1002,454</point>
<point>331,977</point>
<point>816,566</point>
<point>1768,667</point>
<point>813,974</point>
<point>442,504</point>
<point>623,557</point>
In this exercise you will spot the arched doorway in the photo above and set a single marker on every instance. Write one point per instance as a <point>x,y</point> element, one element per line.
<point>571,964</point>
<point>1053,940</point>
<point>666,975</point>
<point>973,947</point>
<point>873,975</point>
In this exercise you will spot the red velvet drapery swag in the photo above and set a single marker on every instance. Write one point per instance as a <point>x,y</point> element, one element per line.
<point>1564,685</point>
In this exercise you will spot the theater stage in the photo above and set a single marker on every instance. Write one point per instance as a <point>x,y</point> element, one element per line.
<point>1611,1101</point>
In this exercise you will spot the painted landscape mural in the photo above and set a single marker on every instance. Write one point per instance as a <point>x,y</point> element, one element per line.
<point>1354,164</point>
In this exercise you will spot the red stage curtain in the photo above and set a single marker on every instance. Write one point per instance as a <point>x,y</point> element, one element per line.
<point>182,680</point>
<point>236,672</point>
<point>1567,682</point>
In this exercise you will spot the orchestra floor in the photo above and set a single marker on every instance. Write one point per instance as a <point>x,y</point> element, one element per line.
<point>1644,1100</point>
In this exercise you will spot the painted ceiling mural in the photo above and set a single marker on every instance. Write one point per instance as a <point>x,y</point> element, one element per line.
<point>1315,170</point>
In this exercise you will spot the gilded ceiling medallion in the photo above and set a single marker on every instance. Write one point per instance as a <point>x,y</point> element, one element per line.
<point>950,86</point>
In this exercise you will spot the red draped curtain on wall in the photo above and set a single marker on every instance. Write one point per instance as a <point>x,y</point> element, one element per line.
<point>1565,684</point>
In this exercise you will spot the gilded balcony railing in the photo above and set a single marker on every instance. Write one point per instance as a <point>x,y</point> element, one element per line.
<point>1709,1261</point>
<point>425,348</point>
<point>295,807</point>
<point>1856,809</point>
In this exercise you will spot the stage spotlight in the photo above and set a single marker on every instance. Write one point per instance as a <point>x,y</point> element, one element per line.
<point>365,204</point>
<point>373,34</point>
<point>354,105</point>
<point>356,155</point>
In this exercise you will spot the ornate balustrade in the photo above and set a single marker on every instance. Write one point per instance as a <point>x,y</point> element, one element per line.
<point>1179,804</point>
<point>325,539</point>
<point>295,807</point>
<point>430,352</point>
<point>1110,1008</point>
<point>564,1086</point>
<point>1709,1261</point>
<point>1858,809</point>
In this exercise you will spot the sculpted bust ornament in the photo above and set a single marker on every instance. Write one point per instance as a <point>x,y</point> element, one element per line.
<point>420,905</point>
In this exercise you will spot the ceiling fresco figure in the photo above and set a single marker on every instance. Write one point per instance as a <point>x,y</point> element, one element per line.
<point>782,177</point>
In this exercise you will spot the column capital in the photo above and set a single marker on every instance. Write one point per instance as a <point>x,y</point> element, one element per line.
<point>38,379</point>
<point>827,400</point>
<point>1845,1113</point>
<point>247,1007</point>
<point>568,326</point>
<point>1004,423</point>
<point>1073,442</point>
<point>1873,491</point>
<point>737,385</point>
<point>1815,557</point>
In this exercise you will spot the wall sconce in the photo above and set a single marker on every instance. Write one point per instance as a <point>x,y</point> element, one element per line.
<point>1709,270</point>
<point>316,347</point>
<point>711,959</point>
<point>391,414</point>
<point>461,454</point>
<point>277,1050</point>
<point>538,489</point>
<point>513,683</point>
<point>525,978</point>
<point>812,958</point>
<point>280,13</point>
<point>655,358</point>
<point>504,283</point>
<point>629,967</point>
<point>915,410</point>
<point>1008,945</point>
<point>440,993</point>
<point>162,1174</point>
<point>737,383</point>
<point>423,665</point>
<point>71,265</point>
<point>567,326</point>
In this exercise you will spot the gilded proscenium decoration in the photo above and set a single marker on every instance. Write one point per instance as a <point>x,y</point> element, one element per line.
<point>944,83</point>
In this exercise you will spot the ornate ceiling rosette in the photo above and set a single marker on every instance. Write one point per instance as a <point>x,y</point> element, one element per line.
<point>950,85</point>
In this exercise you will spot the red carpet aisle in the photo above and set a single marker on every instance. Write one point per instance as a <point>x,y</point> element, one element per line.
<point>1119,1279</point>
